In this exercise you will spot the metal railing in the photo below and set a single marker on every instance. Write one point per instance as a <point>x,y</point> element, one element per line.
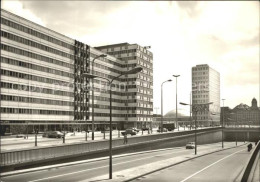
<point>250,163</point>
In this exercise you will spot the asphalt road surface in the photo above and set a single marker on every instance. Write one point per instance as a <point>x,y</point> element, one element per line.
<point>87,170</point>
<point>224,166</point>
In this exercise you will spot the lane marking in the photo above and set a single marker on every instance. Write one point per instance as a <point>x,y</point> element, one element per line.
<point>210,165</point>
<point>99,167</point>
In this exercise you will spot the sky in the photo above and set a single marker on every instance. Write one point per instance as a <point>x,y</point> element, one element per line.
<point>182,34</point>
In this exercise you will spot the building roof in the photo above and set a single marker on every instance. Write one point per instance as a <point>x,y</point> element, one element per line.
<point>242,107</point>
<point>112,45</point>
<point>172,114</point>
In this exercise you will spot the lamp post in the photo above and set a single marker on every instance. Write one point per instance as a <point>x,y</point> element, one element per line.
<point>162,103</point>
<point>223,124</point>
<point>176,76</point>
<point>87,75</point>
<point>190,110</point>
<point>92,71</point>
<point>36,132</point>
<point>195,109</point>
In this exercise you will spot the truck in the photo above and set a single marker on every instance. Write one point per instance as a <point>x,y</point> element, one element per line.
<point>169,126</point>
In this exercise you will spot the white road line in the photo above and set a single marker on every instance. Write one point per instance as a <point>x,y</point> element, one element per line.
<point>99,167</point>
<point>210,165</point>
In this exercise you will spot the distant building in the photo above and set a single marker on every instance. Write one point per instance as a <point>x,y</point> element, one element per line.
<point>205,89</point>
<point>242,114</point>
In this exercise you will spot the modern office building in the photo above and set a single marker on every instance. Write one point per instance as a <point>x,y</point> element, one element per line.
<point>242,115</point>
<point>42,84</point>
<point>206,89</point>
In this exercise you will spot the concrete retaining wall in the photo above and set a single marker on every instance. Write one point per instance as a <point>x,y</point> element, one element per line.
<point>171,139</point>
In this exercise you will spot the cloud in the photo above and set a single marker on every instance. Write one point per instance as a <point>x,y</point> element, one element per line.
<point>191,8</point>
<point>224,35</point>
<point>18,8</point>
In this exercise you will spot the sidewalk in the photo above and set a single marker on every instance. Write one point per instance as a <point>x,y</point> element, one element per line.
<point>134,173</point>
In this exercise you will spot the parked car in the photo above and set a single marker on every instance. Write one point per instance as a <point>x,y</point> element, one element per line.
<point>145,128</point>
<point>164,130</point>
<point>190,145</point>
<point>55,134</point>
<point>129,131</point>
<point>46,134</point>
<point>135,129</point>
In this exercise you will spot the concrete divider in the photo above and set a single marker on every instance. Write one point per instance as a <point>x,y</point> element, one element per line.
<point>250,163</point>
<point>26,156</point>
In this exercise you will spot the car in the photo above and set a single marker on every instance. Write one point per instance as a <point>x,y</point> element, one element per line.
<point>129,131</point>
<point>55,134</point>
<point>135,129</point>
<point>164,130</point>
<point>46,134</point>
<point>145,128</point>
<point>190,145</point>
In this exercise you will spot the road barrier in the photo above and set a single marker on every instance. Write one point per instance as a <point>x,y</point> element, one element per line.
<point>30,155</point>
<point>250,163</point>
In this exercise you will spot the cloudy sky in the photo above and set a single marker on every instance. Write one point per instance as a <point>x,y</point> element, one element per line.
<point>224,35</point>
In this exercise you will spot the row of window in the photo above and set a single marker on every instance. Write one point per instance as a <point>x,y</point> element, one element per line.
<point>113,107</point>
<point>34,78</point>
<point>35,111</point>
<point>122,52</point>
<point>35,67</point>
<point>199,69</point>
<point>114,100</point>
<point>35,44</point>
<point>35,89</point>
<point>35,33</point>
<point>35,56</point>
<point>35,100</point>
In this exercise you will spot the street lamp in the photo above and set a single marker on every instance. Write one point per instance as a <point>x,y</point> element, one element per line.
<point>162,103</point>
<point>91,76</point>
<point>195,109</point>
<point>223,124</point>
<point>176,76</point>
<point>92,71</point>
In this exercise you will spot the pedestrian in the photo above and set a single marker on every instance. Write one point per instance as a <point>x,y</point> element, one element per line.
<point>125,138</point>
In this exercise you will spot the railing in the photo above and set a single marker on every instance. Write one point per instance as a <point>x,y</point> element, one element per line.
<point>250,163</point>
<point>19,156</point>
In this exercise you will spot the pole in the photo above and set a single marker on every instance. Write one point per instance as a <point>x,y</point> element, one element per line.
<point>92,71</point>
<point>195,132</point>
<point>223,125</point>
<point>36,131</point>
<point>110,139</point>
<point>190,112</point>
<point>177,107</point>
<point>162,108</point>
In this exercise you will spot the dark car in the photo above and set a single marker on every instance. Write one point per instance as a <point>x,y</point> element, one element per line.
<point>164,130</point>
<point>135,129</point>
<point>55,134</point>
<point>46,134</point>
<point>145,128</point>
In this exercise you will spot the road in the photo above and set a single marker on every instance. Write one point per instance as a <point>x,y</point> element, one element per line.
<point>87,170</point>
<point>224,166</point>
